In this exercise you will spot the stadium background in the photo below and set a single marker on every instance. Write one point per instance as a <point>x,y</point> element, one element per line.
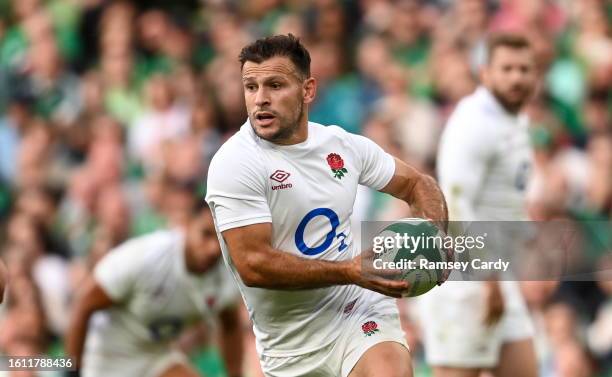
<point>111,110</point>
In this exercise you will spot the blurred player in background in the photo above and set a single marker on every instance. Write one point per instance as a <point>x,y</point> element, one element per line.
<point>282,191</point>
<point>149,290</point>
<point>483,164</point>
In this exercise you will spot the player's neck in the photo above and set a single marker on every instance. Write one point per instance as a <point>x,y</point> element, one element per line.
<point>299,136</point>
<point>511,110</point>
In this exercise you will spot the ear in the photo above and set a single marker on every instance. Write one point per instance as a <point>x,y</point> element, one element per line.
<point>309,89</point>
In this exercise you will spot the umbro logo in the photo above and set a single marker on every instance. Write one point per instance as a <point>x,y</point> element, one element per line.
<point>280,176</point>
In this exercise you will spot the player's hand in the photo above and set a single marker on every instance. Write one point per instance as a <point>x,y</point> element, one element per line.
<point>494,299</point>
<point>363,274</point>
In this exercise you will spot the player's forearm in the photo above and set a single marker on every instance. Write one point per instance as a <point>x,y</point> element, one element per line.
<point>427,201</point>
<point>75,340</point>
<point>231,341</point>
<point>279,270</point>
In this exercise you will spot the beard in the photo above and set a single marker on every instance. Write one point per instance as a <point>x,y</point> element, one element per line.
<point>512,104</point>
<point>287,125</point>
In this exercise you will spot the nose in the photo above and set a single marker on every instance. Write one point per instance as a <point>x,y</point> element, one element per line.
<point>518,76</point>
<point>262,98</point>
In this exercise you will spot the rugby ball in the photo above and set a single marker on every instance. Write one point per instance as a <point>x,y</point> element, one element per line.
<point>414,248</point>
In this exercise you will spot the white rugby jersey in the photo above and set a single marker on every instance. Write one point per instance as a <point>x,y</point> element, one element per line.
<point>307,192</point>
<point>156,296</point>
<point>484,160</point>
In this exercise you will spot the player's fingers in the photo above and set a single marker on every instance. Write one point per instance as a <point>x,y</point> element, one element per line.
<point>490,320</point>
<point>387,274</point>
<point>388,292</point>
<point>393,284</point>
<point>377,270</point>
<point>493,320</point>
<point>392,288</point>
<point>494,315</point>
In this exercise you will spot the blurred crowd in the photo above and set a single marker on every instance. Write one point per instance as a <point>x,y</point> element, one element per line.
<point>110,112</point>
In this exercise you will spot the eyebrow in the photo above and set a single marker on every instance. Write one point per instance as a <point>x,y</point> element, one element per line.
<point>269,78</point>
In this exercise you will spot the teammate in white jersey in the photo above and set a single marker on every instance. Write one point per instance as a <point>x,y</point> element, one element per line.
<point>282,191</point>
<point>483,163</point>
<point>144,293</point>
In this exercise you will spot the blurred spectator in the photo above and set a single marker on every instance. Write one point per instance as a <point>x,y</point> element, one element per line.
<point>166,119</point>
<point>12,129</point>
<point>415,122</point>
<point>113,214</point>
<point>599,333</point>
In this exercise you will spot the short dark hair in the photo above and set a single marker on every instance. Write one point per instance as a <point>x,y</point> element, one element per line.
<point>510,40</point>
<point>277,45</point>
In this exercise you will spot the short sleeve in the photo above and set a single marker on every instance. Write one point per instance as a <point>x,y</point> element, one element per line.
<point>236,191</point>
<point>118,270</point>
<point>377,166</point>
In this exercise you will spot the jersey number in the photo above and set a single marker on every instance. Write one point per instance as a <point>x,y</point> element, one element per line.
<point>329,238</point>
<point>164,329</point>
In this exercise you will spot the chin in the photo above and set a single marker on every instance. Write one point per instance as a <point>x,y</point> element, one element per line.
<point>267,134</point>
<point>513,105</point>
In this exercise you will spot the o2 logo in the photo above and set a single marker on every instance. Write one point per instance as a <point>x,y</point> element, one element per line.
<point>329,238</point>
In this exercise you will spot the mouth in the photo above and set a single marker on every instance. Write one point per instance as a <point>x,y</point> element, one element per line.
<point>264,118</point>
<point>518,90</point>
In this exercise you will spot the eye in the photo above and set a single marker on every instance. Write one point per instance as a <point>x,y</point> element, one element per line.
<point>250,87</point>
<point>275,85</point>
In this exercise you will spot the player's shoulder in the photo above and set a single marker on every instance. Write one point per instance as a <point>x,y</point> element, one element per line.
<point>479,105</point>
<point>466,107</point>
<point>331,130</point>
<point>236,146</point>
<point>325,135</point>
<point>237,166</point>
<point>144,246</point>
<point>472,114</point>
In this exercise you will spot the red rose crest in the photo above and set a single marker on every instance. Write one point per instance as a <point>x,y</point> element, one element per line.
<point>369,328</point>
<point>336,164</point>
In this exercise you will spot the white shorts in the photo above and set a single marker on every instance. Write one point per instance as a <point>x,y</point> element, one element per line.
<point>145,365</point>
<point>452,319</point>
<point>368,325</point>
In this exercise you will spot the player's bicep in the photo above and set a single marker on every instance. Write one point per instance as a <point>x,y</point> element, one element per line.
<point>405,177</point>
<point>248,245</point>
<point>92,297</point>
